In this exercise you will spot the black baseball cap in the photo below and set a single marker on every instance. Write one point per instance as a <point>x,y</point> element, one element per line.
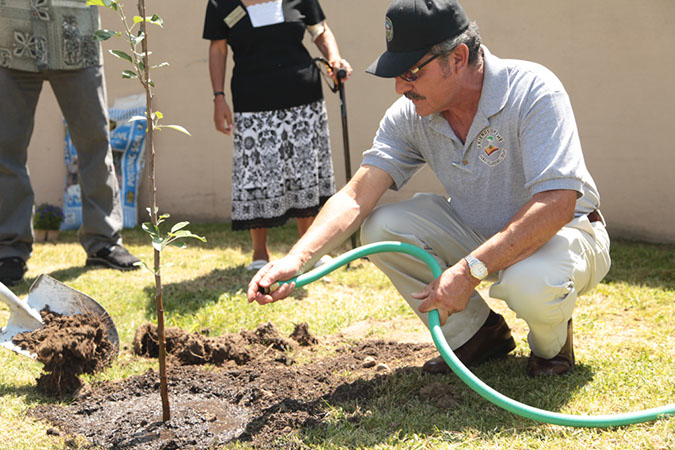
<point>414,26</point>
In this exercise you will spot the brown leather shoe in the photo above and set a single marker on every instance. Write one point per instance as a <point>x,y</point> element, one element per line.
<point>492,340</point>
<point>561,363</point>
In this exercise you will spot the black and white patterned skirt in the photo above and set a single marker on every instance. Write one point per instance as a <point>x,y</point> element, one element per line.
<point>282,165</point>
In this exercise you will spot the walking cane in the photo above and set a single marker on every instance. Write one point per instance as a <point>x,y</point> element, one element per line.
<point>342,73</point>
<point>338,86</point>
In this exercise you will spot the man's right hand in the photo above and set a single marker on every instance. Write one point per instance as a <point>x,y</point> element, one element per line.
<point>222,115</point>
<point>280,270</point>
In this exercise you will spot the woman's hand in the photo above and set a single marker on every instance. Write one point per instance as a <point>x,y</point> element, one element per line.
<point>222,115</point>
<point>326,43</point>
<point>336,65</point>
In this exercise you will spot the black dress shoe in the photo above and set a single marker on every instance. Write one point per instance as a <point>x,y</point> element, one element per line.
<point>114,257</point>
<point>12,270</point>
<point>492,340</point>
<point>561,363</point>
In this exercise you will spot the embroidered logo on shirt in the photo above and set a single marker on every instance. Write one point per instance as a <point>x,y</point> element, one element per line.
<point>490,149</point>
<point>489,145</point>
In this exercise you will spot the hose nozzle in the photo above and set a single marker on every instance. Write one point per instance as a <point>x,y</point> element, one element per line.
<point>268,290</point>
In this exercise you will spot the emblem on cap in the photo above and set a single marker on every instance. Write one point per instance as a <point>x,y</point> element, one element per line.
<point>389,29</point>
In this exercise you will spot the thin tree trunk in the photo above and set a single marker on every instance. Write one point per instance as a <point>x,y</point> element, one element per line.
<point>163,385</point>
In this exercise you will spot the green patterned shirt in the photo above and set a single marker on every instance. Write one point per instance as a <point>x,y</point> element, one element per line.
<point>37,35</point>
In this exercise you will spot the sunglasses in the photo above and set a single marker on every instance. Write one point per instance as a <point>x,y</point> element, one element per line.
<point>411,75</point>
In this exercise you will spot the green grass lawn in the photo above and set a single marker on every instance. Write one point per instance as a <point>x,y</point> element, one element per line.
<point>624,336</point>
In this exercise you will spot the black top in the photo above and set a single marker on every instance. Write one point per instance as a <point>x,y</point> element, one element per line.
<point>272,69</point>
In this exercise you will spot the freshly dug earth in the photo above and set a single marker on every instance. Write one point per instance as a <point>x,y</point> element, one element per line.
<point>68,346</point>
<point>262,399</point>
<point>194,348</point>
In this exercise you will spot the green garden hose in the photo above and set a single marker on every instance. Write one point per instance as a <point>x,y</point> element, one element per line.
<point>460,370</point>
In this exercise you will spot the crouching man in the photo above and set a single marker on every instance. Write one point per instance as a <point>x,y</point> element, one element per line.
<point>522,211</point>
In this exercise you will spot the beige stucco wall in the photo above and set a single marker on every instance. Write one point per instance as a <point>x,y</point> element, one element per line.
<point>616,60</point>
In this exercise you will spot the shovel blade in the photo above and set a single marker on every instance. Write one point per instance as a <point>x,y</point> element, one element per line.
<point>62,299</point>
<point>6,336</point>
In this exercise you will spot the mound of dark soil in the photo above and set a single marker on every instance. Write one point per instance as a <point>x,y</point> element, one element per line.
<point>195,348</point>
<point>264,402</point>
<point>68,346</point>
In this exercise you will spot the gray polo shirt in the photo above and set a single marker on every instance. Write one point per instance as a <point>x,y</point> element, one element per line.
<point>37,35</point>
<point>523,140</point>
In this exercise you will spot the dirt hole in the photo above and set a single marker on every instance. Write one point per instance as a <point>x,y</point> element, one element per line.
<point>262,400</point>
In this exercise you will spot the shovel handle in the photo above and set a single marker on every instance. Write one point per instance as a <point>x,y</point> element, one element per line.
<point>16,305</point>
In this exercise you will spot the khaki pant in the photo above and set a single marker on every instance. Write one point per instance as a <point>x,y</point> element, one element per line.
<point>542,289</point>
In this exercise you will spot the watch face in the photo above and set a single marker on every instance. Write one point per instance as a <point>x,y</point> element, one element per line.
<point>478,270</point>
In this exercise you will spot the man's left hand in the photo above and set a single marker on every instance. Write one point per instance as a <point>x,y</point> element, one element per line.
<point>448,293</point>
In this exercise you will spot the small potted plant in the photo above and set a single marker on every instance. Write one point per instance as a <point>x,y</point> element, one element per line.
<point>46,222</point>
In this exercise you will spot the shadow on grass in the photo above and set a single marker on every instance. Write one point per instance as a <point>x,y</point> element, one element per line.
<point>29,393</point>
<point>191,295</point>
<point>637,263</point>
<point>388,408</point>
<point>62,275</point>
<point>220,235</point>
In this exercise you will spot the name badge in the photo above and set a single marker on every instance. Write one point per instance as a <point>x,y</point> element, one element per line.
<point>235,16</point>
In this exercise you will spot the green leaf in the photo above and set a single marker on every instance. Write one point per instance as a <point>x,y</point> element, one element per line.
<point>121,55</point>
<point>158,243</point>
<point>178,226</point>
<point>143,264</point>
<point>104,35</point>
<point>134,40</point>
<point>106,3</point>
<point>180,233</point>
<point>179,244</point>
<point>148,227</point>
<point>157,115</point>
<point>135,118</point>
<point>194,236</point>
<point>159,65</point>
<point>141,66</point>
<point>155,19</point>
<point>151,83</point>
<point>152,230</point>
<point>176,127</point>
<point>129,74</point>
<point>165,216</point>
<point>138,39</point>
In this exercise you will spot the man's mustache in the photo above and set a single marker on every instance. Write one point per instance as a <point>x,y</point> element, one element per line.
<point>410,95</point>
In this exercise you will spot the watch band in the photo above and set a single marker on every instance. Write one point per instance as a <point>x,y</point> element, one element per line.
<point>216,94</point>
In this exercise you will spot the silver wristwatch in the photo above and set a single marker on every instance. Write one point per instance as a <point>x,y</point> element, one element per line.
<point>477,267</point>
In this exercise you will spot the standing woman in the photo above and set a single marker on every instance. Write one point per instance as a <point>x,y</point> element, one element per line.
<point>282,164</point>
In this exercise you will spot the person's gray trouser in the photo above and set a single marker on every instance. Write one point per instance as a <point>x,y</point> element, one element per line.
<point>542,289</point>
<point>82,97</point>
